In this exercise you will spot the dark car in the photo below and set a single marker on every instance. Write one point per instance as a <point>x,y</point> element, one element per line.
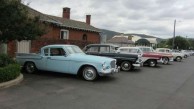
<point>125,61</point>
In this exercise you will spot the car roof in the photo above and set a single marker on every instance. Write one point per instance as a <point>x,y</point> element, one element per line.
<point>102,45</point>
<point>129,47</point>
<point>59,45</point>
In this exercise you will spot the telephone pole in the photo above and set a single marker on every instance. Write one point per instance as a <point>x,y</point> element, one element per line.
<point>173,34</point>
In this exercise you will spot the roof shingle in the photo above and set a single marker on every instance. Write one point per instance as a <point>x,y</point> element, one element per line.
<point>63,22</point>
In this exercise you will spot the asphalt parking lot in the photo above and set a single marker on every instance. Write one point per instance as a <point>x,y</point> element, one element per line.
<point>165,87</point>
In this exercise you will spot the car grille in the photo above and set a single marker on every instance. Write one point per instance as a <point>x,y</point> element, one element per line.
<point>113,64</point>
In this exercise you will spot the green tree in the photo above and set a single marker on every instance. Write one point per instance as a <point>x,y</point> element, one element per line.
<point>163,44</point>
<point>179,43</point>
<point>191,42</point>
<point>16,24</point>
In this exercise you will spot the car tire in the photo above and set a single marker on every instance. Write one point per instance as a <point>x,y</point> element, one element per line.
<point>165,60</point>
<point>30,67</point>
<point>89,73</point>
<point>152,63</point>
<point>126,66</point>
<point>178,59</point>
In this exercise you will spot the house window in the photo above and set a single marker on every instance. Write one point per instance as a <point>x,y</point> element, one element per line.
<point>64,34</point>
<point>84,37</point>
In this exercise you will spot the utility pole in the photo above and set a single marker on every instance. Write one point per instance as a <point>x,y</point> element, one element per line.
<point>173,34</point>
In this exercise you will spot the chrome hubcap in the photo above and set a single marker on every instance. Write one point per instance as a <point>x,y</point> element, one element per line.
<point>89,74</point>
<point>126,66</point>
<point>152,63</point>
<point>30,68</point>
<point>165,60</point>
<point>178,59</point>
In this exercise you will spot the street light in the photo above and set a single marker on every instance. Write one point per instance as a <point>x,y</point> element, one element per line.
<point>173,34</point>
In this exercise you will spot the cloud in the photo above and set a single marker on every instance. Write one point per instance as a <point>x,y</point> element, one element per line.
<point>153,17</point>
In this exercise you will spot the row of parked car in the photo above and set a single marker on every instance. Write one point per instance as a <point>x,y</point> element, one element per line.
<point>96,59</point>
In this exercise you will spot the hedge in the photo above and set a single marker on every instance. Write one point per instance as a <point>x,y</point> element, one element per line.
<point>9,69</point>
<point>9,72</point>
<point>5,60</point>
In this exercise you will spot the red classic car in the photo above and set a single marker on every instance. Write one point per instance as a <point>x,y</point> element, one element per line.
<point>166,57</point>
<point>148,58</point>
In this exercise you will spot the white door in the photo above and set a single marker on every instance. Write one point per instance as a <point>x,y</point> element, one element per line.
<point>23,46</point>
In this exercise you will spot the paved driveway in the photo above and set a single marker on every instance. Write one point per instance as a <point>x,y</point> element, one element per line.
<point>164,87</point>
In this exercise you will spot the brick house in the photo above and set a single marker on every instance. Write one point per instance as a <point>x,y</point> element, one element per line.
<point>62,30</point>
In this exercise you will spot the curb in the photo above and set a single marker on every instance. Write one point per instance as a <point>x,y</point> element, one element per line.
<point>12,82</point>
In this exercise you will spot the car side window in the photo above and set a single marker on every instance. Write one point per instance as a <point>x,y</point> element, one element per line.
<point>104,49</point>
<point>124,50</point>
<point>138,51</point>
<point>57,52</point>
<point>92,49</point>
<point>46,52</point>
<point>161,50</point>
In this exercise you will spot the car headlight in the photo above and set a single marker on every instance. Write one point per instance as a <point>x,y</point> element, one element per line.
<point>104,66</point>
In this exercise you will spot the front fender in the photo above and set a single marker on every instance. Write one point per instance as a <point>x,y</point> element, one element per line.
<point>76,67</point>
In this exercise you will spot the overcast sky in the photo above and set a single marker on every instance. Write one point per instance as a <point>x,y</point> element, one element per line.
<point>152,17</point>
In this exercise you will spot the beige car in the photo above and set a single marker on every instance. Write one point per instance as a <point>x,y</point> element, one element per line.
<point>176,56</point>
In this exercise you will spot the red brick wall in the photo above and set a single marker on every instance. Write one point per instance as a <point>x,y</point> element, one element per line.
<point>54,33</point>
<point>53,37</point>
<point>37,44</point>
<point>11,48</point>
<point>77,35</point>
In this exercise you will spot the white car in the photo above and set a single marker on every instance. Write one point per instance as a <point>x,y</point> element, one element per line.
<point>176,55</point>
<point>186,54</point>
<point>150,59</point>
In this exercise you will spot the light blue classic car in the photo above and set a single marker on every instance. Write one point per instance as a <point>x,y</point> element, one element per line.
<point>67,59</point>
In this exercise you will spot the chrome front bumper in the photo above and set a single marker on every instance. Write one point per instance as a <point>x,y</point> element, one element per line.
<point>109,71</point>
<point>171,59</point>
<point>160,61</point>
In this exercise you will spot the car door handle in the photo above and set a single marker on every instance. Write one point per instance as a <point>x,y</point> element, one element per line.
<point>48,57</point>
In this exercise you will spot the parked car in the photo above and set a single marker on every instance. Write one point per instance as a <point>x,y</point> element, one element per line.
<point>126,61</point>
<point>150,59</point>
<point>166,57</point>
<point>186,53</point>
<point>67,59</point>
<point>176,55</point>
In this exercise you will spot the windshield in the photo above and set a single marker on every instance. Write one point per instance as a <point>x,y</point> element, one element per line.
<point>74,49</point>
<point>147,49</point>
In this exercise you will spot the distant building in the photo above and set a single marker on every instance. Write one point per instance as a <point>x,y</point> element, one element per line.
<point>121,41</point>
<point>144,40</point>
<point>134,39</point>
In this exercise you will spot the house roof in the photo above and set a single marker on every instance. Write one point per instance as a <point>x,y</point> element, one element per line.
<point>141,35</point>
<point>62,22</point>
<point>120,40</point>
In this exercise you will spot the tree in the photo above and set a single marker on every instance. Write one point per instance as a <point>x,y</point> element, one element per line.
<point>179,42</point>
<point>191,42</point>
<point>162,44</point>
<point>16,24</point>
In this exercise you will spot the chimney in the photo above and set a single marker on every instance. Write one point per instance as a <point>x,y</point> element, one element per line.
<point>88,18</point>
<point>66,13</point>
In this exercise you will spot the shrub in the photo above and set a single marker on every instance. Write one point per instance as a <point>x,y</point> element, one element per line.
<point>9,69</point>
<point>9,72</point>
<point>5,60</point>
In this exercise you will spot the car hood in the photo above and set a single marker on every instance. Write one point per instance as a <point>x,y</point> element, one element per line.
<point>90,58</point>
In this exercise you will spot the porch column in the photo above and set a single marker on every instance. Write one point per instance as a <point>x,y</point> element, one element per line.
<point>3,48</point>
